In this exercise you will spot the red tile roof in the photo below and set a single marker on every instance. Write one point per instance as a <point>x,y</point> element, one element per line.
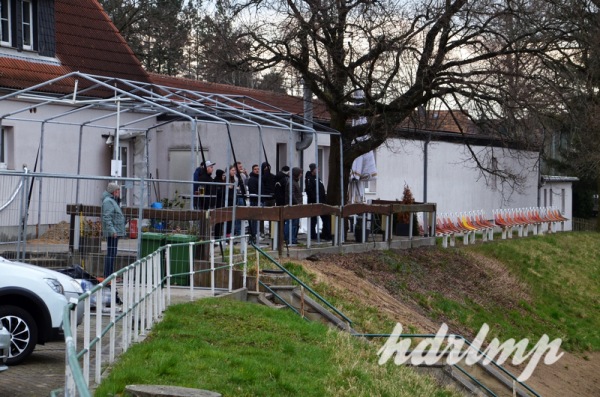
<point>441,120</point>
<point>86,41</point>
<point>288,103</point>
<point>21,73</point>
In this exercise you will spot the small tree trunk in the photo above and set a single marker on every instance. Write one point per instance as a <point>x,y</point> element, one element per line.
<point>335,187</point>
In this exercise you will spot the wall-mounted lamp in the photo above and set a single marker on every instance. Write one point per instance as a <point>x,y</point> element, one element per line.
<point>109,139</point>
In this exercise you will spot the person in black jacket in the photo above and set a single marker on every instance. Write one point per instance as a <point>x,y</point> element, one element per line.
<point>267,185</point>
<point>219,191</point>
<point>280,182</point>
<point>314,184</point>
<point>204,187</point>
<point>296,199</point>
<point>253,192</point>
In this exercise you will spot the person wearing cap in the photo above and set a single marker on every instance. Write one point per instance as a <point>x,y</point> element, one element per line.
<point>113,224</point>
<point>313,185</point>
<point>204,189</point>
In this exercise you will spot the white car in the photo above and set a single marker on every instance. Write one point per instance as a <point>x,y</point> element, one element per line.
<point>4,346</point>
<point>32,300</point>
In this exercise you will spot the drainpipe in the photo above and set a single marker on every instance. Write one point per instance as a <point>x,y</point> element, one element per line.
<point>306,138</point>
<point>425,162</point>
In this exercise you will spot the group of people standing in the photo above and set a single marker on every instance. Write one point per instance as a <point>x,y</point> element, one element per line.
<point>262,188</point>
<point>274,190</point>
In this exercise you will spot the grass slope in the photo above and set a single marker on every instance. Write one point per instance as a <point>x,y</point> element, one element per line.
<point>243,349</point>
<point>562,272</point>
<point>522,288</point>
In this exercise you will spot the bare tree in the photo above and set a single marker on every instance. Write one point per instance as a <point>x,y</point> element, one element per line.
<point>273,81</point>
<point>156,31</point>
<point>216,51</point>
<point>574,147</point>
<point>488,59</point>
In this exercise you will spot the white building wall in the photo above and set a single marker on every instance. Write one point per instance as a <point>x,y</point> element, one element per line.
<point>47,139</point>
<point>453,180</point>
<point>171,158</point>
<point>558,193</point>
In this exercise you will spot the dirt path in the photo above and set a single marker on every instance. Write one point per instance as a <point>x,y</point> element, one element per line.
<point>572,375</point>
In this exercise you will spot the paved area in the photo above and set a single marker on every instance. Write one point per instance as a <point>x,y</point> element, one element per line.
<point>44,371</point>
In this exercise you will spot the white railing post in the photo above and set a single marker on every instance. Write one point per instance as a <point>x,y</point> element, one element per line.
<point>149,299</point>
<point>156,286</point>
<point>136,299</point>
<point>191,269</point>
<point>230,284</point>
<point>125,302</point>
<point>86,338</point>
<point>142,299</point>
<point>168,272</point>
<point>212,267</point>
<point>70,388</point>
<point>98,367</point>
<point>245,263</point>
<point>113,331</point>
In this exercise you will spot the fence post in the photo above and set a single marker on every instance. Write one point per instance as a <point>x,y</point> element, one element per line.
<point>23,218</point>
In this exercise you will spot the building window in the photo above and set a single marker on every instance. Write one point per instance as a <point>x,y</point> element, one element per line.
<point>27,25</point>
<point>19,23</point>
<point>6,144</point>
<point>2,147</point>
<point>5,22</point>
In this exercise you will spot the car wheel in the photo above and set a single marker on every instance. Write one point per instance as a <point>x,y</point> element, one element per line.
<point>23,331</point>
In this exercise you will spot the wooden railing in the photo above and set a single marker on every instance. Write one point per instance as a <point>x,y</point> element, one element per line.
<point>205,220</point>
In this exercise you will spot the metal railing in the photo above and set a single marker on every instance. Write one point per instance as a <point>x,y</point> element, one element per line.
<point>51,219</point>
<point>260,252</point>
<point>147,292</point>
<point>514,379</point>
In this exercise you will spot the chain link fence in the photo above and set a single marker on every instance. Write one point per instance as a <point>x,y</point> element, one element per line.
<point>55,220</point>
<point>585,225</point>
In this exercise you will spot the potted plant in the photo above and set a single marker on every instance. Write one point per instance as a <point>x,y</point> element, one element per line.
<point>403,218</point>
<point>91,235</point>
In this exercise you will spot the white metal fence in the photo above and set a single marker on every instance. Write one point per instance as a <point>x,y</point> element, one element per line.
<point>146,290</point>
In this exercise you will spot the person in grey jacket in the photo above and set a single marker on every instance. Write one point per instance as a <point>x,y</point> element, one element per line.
<point>113,225</point>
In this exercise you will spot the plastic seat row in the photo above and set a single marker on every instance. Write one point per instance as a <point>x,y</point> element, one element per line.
<point>536,219</point>
<point>465,224</point>
<point>468,224</point>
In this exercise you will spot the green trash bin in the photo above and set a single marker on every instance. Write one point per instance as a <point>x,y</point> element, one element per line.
<point>180,257</point>
<point>150,243</point>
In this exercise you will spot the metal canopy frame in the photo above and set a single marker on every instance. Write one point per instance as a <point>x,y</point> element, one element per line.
<point>83,92</point>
